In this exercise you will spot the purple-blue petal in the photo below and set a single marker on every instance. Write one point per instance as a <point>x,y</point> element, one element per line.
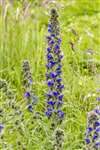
<point>30,108</point>
<point>60,57</point>
<point>57,47</point>
<point>59,40</point>
<point>97,144</point>
<point>59,80</point>
<point>58,73</point>
<point>60,114</point>
<point>57,51</point>
<point>49,56</point>
<point>59,67</point>
<point>60,86</point>
<point>52,42</point>
<point>53,35</point>
<point>95,136</point>
<point>87,140</point>
<point>98,98</point>
<point>49,30</point>
<point>49,49</point>
<point>48,113</point>
<point>97,130</point>
<point>97,123</point>
<point>30,81</point>
<point>1,127</point>
<point>51,102</point>
<point>50,83</point>
<point>52,75</point>
<point>55,93</point>
<point>27,94</point>
<point>49,95</point>
<point>61,97</point>
<point>97,111</point>
<point>49,25</point>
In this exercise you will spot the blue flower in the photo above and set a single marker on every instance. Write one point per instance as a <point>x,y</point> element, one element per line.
<point>30,81</point>
<point>60,114</point>
<point>59,67</point>
<point>49,109</point>
<point>53,62</point>
<point>53,35</point>
<point>59,40</point>
<point>90,129</point>
<point>55,93</point>
<point>97,144</point>
<point>57,47</point>
<point>98,98</point>
<point>50,83</point>
<point>57,51</point>
<point>58,73</point>
<point>27,94</point>
<point>60,86</point>
<point>49,49</point>
<point>59,80</point>
<point>48,113</point>
<point>49,25</point>
<point>97,123</point>
<point>49,65</point>
<point>97,130</point>
<point>52,75</point>
<point>87,140</point>
<point>49,56</point>
<point>60,57</point>
<point>49,30</point>
<point>49,95</point>
<point>95,136</point>
<point>51,102</point>
<point>30,108</point>
<point>97,111</point>
<point>52,42</point>
<point>61,97</point>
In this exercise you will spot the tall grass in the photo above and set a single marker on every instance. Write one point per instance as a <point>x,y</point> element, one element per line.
<point>24,38</point>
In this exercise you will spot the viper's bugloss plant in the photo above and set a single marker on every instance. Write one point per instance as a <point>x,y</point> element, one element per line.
<point>54,68</point>
<point>27,84</point>
<point>6,89</point>
<point>93,130</point>
<point>27,76</point>
<point>9,93</point>
<point>58,139</point>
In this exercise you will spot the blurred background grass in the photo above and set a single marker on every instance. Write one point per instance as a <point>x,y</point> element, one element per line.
<point>23,28</point>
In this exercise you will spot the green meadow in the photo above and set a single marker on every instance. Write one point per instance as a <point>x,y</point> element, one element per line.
<point>23,31</point>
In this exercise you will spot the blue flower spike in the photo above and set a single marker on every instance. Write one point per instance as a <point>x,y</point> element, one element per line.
<point>54,68</point>
<point>93,129</point>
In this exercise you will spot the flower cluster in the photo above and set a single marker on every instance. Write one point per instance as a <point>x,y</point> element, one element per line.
<point>27,76</point>
<point>54,66</point>
<point>5,88</point>
<point>58,139</point>
<point>27,83</point>
<point>93,130</point>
